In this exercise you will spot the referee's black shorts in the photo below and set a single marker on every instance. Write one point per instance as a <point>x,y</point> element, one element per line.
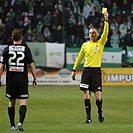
<point>91,79</point>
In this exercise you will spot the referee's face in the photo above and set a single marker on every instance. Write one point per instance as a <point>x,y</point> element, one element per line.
<point>93,34</point>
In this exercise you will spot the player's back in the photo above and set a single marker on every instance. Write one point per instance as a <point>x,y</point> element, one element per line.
<point>15,58</point>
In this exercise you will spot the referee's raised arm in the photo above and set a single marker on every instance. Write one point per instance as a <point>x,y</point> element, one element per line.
<point>104,36</point>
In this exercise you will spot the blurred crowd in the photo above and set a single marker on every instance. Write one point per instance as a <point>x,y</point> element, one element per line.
<point>66,21</point>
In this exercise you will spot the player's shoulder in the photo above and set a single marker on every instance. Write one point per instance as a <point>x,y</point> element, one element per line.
<point>27,48</point>
<point>24,45</point>
<point>85,43</point>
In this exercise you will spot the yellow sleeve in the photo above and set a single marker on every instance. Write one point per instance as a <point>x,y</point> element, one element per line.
<point>79,59</point>
<point>104,35</point>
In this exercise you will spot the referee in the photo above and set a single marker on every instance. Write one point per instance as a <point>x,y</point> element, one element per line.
<point>91,75</point>
<point>16,58</point>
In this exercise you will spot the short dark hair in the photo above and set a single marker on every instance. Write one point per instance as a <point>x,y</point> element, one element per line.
<point>17,34</point>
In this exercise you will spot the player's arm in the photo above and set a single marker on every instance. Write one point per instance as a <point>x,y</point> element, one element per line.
<point>79,59</point>
<point>33,71</point>
<point>104,35</point>
<point>77,62</point>
<point>31,65</point>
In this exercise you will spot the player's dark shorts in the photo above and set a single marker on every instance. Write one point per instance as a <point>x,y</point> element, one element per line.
<point>91,79</point>
<point>17,92</point>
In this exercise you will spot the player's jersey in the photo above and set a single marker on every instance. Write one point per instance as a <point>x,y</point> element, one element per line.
<point>92,51</point>
<point>16,58</point>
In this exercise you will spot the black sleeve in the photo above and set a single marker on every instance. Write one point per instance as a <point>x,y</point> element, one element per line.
<point>29,57</point>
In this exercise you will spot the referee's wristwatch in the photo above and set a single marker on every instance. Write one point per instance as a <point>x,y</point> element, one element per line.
<point>74,70</point>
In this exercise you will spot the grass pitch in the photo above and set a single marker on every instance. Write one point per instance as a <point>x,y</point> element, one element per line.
<point>60,109</point>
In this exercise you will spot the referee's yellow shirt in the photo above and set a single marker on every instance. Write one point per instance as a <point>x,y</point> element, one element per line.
<point>92,51</point>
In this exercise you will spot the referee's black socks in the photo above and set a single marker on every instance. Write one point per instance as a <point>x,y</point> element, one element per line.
<point>99,105</point>
<point>88,108</point>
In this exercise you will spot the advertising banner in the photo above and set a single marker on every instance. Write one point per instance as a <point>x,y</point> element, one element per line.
<point>48,54</point>
<point>117,76</point>
<point>112,57</point>
<point>110,77</point>
<point>55,55</point>
<point>71,55</point>
<point>130,54</point>
<point>38,51</point>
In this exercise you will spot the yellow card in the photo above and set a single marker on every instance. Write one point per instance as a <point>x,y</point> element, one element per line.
<point>104,10</point>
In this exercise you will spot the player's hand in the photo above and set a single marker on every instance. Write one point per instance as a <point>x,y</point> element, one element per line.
<point>34,83</point>
<point>73,75</point>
